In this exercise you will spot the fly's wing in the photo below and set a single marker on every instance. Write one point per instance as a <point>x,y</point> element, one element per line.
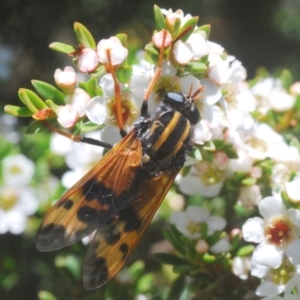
<point>114,241</point>
<point>95,199</point>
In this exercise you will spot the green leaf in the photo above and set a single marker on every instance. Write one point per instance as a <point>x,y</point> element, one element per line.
<point>196,67</point>
<point>159,18</point>
<point>137,269</point>
<point>48,91</point>
<point>92,87</point>
<point>17,111</point>
<point>170,259</point>
<point>176,288</point>
<point>249,181</point>
<point>286,78</point>
<point>145,284</point>
<point>245,251</point>
<point>206,28</point>
<point>187,29</point>
<point>70,262</point>
<point>83,36</point>
<point>123,38</point>
<point>209,146</point>
<point>124,73</point>
<point>186,170</point>
<point>26,97</point>
<point>174,237</point>
<point>151,50</point>
<point>176,27</point>
<point>226,147</point>
<point>36,127</point>
<point>52,105</point>
<point>44,295</point>
<point>60,47</point>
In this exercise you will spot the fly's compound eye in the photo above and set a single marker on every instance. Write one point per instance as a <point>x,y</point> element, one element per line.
<point>182,104</point>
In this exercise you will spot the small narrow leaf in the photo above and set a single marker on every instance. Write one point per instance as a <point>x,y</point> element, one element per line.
<point>286,78</point>
<point>249,181</point>
<point>123,38</point>
<point>52,105</point>
<point>124,73</point>
<point>177,288</point>
<point>60,47</point>
<point>176,27</point>
<point>17,111</point>
<point>159,18</point>
<point>24,96</point>
<point>170,259</point>
<point>84,37</point>
<point>44,295</point>
<point>206,28</point>
<point>246,250</point>
<point>92,87</point>
<point>187,29</point>
<point>48,91</point>
<point>36,127</point>
<point>196,67</point>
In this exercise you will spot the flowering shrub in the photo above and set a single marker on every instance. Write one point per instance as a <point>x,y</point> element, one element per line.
<point>245,163</point>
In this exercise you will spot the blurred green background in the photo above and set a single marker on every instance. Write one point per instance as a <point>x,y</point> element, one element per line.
<point>259,33</point>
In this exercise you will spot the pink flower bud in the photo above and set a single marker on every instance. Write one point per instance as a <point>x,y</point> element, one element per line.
<point>88,60</point>
<point>78,99</point>
<point>66,80</point>
<point>112,46</point>
<point>157,39</point>
<point>171,17</point>
<point>67,116</point>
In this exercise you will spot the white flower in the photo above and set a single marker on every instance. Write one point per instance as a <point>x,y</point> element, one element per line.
<point>292,189</point>
<point>182,52</point>
<point>80,159</point>
<point>189,222</point>
<point>271,94</point>
<point>96,110</point>
<point>204,178</point>
<point>241,267</point>
<point>198,44</point>
<point>16,204</point>
<point>17,170</point>
<point>66,80</point>
<point>277,234</point>
<point>285,279</point>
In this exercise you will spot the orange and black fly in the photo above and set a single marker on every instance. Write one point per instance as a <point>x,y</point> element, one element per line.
<point>119,196</point>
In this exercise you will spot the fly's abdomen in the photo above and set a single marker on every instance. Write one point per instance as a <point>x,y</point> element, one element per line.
<point>168,136</point>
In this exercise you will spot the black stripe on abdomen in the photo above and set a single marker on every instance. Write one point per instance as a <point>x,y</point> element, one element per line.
<point>167,136</point>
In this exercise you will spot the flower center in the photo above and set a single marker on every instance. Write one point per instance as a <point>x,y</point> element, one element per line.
<point>8,199</point>
<point>194,227</point>
<point>279,231</point>
<point>284,273</point>
<point>258,144</point>
<point>128,109</point>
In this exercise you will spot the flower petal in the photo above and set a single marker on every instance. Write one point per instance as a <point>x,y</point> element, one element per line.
<point>253,230</point>
<point>268,255</point>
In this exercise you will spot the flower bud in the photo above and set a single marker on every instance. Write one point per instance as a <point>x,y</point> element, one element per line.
<point>66,80</point>
<point>88,60</point>
<point>67,116</point>
<point>113,47</point>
